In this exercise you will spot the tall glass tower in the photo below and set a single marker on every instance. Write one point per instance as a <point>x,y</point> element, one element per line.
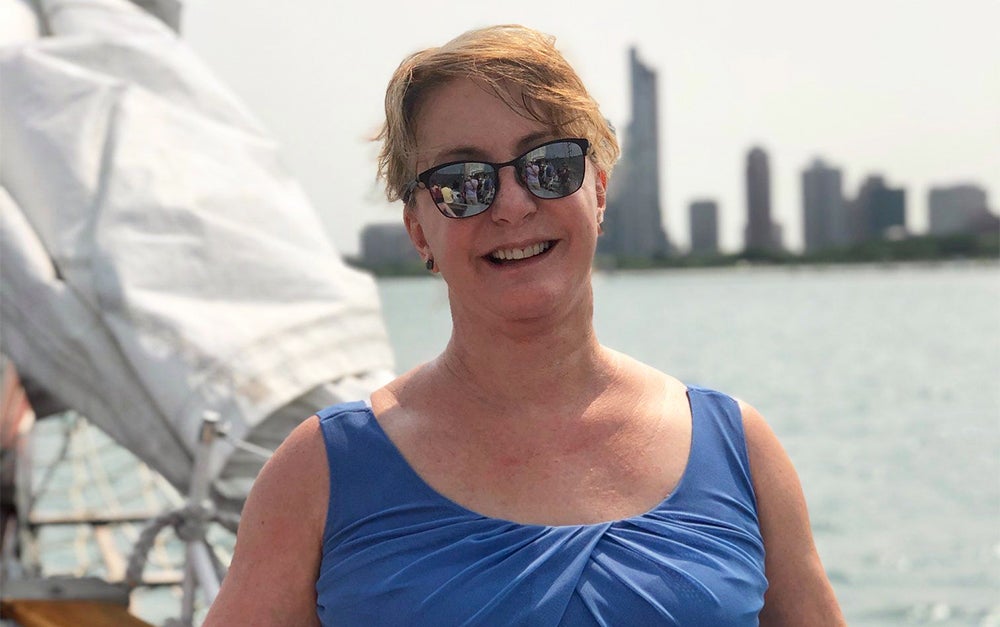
<point>761,232</point>
<point>633,224</point>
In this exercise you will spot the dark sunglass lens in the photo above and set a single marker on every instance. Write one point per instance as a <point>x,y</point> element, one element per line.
<point>461,190</point>
<point>554,170</point>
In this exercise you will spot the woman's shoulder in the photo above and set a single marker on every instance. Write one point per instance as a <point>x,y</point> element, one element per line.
<point>643,376</point>
<point>760,438</point>
<point>301,454</point>
<point>799,591</point>
<point>404,390</point>
<point>679,392</point>
<point>274,565</point>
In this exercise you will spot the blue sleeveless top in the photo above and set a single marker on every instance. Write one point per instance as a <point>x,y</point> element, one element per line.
<point>397,552</point>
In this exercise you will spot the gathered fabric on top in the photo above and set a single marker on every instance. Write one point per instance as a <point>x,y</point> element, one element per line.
<point>397,552</point>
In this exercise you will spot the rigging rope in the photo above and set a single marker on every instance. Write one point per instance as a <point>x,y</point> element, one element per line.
<point>188,523</point>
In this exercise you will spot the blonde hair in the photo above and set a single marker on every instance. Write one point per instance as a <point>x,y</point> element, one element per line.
<point>508,59</point>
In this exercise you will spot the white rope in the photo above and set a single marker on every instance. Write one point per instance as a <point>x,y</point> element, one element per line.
<point>95,466</point>
<point>247,447</point>
<point>188,523</point>
<point>50,470</point>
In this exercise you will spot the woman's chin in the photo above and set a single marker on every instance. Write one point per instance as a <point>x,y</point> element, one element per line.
<point>537,304</point>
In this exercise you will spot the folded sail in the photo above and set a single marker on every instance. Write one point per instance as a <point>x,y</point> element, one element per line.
<point>158,260</point>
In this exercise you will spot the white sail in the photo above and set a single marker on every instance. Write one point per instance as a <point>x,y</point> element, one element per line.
<point>158,260</point>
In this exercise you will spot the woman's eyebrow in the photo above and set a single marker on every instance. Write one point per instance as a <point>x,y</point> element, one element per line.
<point>440,155</point>
<point>458,153</point>
<point>532,140</point>
<point>475,153</point>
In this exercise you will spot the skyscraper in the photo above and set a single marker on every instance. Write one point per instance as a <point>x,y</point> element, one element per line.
<point>386,243</point>
<point>824,213</point>
<point>957,209</point>
<point>878,211</point>
<point>704,220</point>
<point>761,233</point>
<point>633,224</point>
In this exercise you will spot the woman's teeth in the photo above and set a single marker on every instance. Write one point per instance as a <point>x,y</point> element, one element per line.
<point>520,253</point>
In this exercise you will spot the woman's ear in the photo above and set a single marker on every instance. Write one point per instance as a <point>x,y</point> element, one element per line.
<point>416,232</point>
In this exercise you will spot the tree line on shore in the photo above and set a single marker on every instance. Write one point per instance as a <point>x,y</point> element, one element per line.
<point>921,248</point>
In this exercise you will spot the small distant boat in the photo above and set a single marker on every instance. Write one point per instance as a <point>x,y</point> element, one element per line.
<point>164,278</point>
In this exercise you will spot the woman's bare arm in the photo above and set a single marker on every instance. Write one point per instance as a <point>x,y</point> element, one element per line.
<point>272,577</point>
<point>798,592</point>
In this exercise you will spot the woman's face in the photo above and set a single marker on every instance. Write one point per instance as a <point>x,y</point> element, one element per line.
<point>462,120</point>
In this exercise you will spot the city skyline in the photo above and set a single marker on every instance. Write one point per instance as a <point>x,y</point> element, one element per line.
<point>916,106</point>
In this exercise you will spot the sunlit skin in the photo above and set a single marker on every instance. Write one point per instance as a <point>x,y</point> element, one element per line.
<point>516,297</point>
<point>523,360</point>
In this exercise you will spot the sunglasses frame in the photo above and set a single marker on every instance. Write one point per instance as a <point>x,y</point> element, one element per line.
<point>422,180</point>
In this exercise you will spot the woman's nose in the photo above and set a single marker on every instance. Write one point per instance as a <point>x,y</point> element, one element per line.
<point>513,202</point>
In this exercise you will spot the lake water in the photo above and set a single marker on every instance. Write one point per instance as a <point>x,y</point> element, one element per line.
<point>882,382</point>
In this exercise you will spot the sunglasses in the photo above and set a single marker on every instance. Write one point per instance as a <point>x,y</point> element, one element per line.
<point>462,189</point>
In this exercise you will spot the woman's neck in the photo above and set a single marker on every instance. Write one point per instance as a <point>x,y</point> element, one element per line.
<point>527,362</point>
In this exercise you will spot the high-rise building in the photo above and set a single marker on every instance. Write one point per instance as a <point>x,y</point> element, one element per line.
<point>957,209</point>
<point>386,243</point>
<point>704,220</point>
<point>824,212</point>
<point>761,232</point>
<point>878,211</point>
<point>633,225</point>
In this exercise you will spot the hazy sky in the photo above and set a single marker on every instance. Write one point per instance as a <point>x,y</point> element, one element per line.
<point>909,89</point>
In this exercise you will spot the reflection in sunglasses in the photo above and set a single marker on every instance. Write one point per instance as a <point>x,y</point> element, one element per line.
<point>462,189</point>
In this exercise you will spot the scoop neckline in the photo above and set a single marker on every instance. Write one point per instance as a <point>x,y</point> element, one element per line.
<point>451,503</point>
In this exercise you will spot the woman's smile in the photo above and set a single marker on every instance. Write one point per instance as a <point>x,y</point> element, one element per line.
<point>505,256</point>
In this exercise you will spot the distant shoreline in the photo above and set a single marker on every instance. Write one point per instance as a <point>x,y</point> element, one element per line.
<point>925,250</point>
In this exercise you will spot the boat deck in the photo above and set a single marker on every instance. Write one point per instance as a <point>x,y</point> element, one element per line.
<point>47,613</point>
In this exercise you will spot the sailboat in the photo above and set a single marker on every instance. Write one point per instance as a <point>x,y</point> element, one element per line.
<point>164,279</point>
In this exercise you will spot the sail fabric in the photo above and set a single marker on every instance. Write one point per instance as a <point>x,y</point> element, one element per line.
<point>158,261</point>
<point>397,552</point>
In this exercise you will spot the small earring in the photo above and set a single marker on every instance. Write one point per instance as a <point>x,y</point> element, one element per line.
<point>429,264</point>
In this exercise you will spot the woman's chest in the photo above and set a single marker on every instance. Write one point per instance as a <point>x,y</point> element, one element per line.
<point>553,478</point>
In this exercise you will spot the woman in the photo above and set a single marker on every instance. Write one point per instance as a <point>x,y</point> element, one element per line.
<point>531,175</point>
<point>527,475</point>
<point>470,187</point>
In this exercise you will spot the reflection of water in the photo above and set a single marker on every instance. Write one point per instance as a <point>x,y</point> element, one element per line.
<point>880,382</point>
